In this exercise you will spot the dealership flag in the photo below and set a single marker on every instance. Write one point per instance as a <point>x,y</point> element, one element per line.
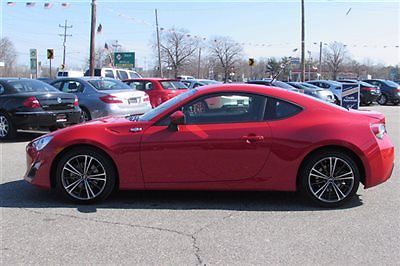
<point>48,5</point>
<point>65,5</point>
<point>30,4</point>
<point>11,3</point>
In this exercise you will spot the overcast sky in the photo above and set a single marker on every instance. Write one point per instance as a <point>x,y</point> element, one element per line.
<point>370,29</point>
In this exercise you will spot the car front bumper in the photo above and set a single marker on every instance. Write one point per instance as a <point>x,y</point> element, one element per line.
<point>38,167</point>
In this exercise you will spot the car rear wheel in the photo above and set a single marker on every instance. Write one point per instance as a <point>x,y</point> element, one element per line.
<point>7,130</point>
<point>85,175</point>
<point>85,115</point>
<point>383,99</point>
<point>330,178</point>
<point>396,102</point>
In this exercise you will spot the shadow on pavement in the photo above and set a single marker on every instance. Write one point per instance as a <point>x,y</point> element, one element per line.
<point>23,137</point>
<point>19,194</point>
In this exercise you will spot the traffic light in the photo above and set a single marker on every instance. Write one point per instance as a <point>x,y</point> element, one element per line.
<point>251,61</point>
<point>50,53</point>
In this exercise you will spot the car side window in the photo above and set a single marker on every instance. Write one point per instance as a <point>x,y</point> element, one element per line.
<point>280,109</point>
<point>225,108</point>
<point>72,87</point>
<point>108,73</point>
<point>122,75</point>
<point>136,85</point>
<point>57,84</point>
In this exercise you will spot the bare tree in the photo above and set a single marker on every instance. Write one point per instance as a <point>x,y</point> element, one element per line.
<point>8,56</point>
<point>228,53</point>
<point>335,55</point>
<point>177,49</point>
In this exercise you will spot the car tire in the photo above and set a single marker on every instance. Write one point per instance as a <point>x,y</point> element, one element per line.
<point>396,102</point>
<point>383,99</point>
<point>85,175</point>
<point>329,178</point>
<point>7,129</point>
<point>85,115</point>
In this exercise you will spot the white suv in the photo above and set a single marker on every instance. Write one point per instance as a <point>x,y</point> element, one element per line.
<point>115,73</point>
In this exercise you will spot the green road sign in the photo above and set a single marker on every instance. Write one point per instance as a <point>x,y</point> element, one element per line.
<point>124,60</point>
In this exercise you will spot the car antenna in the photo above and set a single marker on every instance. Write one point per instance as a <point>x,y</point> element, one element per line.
<point>282,67</point>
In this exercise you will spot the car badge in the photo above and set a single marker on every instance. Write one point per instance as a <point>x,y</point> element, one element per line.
<point>59,100</point>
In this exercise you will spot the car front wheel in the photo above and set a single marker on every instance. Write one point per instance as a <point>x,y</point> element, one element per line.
<point>85,175</point>
<point>330,178</point>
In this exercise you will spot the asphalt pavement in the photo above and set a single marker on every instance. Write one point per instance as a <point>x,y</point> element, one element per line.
<point>197,228</point>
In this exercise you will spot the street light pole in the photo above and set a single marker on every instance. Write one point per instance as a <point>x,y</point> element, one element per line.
<point>92,39</point>
<point>303,62</point>
<point>158,45</point>
<point>320,60</point>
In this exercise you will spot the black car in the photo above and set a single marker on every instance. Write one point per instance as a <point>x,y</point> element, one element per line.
<point>275,83</point>
<point>390,90</point>
<point>368,93</point>
<point>33,104</point>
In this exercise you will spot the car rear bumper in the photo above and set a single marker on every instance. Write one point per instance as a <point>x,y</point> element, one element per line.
<point>368,97</point>
<point>381,163</point>
<point>45,119</point>
<point>117,110</point>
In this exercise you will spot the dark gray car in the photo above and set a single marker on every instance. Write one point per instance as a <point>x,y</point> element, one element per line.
<point>100,97</point>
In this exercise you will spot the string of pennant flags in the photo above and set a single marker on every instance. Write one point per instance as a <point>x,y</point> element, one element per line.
<point>197,37</point>
<point>48,5</point>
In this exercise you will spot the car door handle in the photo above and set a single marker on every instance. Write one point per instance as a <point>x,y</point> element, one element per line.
<point>252,138</point>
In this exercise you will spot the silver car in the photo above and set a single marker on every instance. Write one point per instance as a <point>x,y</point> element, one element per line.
<point>100,97</point>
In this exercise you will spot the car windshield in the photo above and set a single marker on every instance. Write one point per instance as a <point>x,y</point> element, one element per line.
<point>311,86</point>
<point>173,85</point>
<point>166,105</point>
<point>109,84</point>
<point>208,82</point>
<point>26,85</point>
<point>283,85</point>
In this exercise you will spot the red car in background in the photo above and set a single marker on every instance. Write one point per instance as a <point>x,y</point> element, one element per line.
<point>259,138</point>
<point>159,89</point>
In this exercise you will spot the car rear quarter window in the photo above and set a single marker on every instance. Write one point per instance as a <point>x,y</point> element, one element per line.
<point>280,109</point>
<point>108,74</point>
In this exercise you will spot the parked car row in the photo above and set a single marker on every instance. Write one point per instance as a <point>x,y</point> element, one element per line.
<point>32,104</point>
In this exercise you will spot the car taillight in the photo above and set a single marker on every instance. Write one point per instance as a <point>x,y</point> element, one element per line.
<point>368,89</point>
<point>32,102</point>
<point>110,99</point>
<point>379,130</point>
<point>76,103</point>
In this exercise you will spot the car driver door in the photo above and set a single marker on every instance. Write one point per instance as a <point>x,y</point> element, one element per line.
<point>223,138</point>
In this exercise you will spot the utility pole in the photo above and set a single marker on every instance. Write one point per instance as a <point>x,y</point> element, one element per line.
<point>309,65</point>
<point>65,35</point>
<point>92,39</point>
<point>158,45</point>
<point>198,65</point>
<point>320,60</point>
<point>303,62</point>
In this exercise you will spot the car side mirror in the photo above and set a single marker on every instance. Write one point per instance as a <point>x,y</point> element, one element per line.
<point>176,119</point>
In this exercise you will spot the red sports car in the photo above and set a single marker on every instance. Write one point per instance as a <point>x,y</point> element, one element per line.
<point>159,89</point>
<point>255,138</point>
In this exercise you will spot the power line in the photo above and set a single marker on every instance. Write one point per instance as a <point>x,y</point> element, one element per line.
<point>66,26</point>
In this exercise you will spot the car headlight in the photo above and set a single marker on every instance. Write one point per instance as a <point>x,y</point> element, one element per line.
<point>40,143</point>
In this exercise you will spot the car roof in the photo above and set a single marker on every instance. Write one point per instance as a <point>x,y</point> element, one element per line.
<point>152,79</point>
<point>86,78</point>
